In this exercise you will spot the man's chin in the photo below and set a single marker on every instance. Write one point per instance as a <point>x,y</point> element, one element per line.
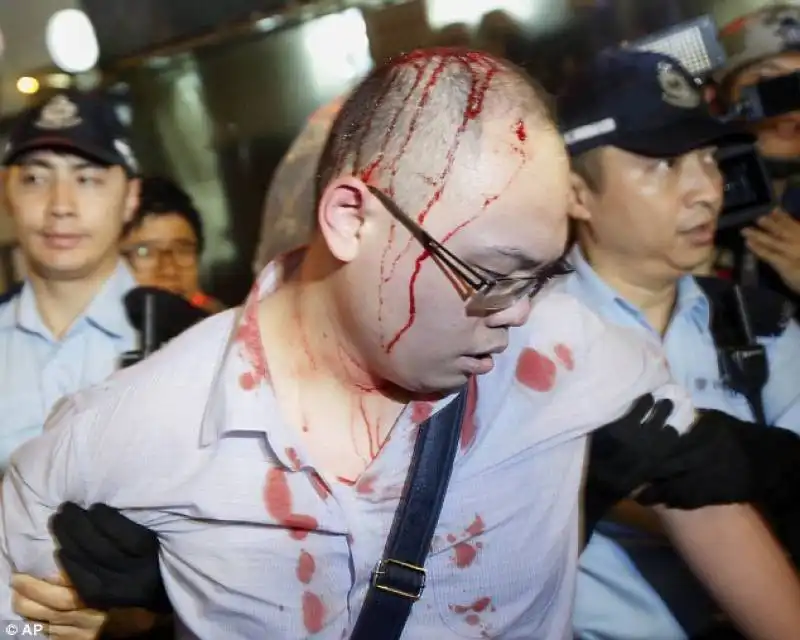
<point>62,271</point>
<point>699,266</point>
<point>440,385</point>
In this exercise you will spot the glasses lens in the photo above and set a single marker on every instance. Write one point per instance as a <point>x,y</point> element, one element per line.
<point>185,256</point>
<point>501,295</point>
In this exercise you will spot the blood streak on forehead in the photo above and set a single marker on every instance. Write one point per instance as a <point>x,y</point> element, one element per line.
<point>428,68</point>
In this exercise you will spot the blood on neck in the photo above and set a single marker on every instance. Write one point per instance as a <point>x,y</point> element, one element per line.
<point>320,342</point>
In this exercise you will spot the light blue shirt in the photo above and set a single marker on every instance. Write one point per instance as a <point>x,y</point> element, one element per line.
<point>36,369</point>
<point>614,601</point>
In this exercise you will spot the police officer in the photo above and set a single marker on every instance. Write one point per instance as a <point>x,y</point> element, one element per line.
<point>69,186</point>
<point>647,195</point>
<point>762,45</point>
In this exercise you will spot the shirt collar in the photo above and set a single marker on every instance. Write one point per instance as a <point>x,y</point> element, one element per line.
<point>106,311</point>
<point>691,301</point>
<point>241,398</point>
<point>8,311</point>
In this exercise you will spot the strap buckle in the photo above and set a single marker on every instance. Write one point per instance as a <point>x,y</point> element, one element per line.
<point>402,579</point>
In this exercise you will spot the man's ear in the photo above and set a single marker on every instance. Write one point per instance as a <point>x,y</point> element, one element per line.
<point>132,200</point>
<point>582,198</point>
<point>5,204</point>
<point>341,216</point>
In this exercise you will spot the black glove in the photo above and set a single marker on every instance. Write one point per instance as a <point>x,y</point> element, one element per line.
<point>111,561</point>
<point>707,467</point>
<point>774,455</point>
<point>623,454</point>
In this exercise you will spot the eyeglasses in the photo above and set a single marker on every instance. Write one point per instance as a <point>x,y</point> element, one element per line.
<point>147,256</point>
<point>490,292</point>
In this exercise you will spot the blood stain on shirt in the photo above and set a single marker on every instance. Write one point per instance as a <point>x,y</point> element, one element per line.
<point>564,355</point>
<point>291,453</point>
<point>305,567</point>
<point>536,371</point>
<point>366,486</point>
<point>277,495</point>
<point>313,612</point>
<point>300,525</point>
<point>249,336</point>
<point>247,381</point>
<point>278,501</point>
<point>465,555</point>
<point>421,411</point>
<point>473,619</point>
<point>479,606</point>
<point>319,486</point>
<point>477,527</point>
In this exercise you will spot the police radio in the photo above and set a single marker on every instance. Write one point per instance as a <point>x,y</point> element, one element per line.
<point>158,316</point>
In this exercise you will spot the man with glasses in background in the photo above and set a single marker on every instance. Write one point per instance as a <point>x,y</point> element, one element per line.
<point>164,240</point>
<point>271,499</point>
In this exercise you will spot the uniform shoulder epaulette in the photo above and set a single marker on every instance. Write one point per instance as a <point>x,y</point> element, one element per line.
<point>769,312</point>
<point>12,293</point>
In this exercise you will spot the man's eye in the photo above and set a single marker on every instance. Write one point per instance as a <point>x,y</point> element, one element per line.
<point>89,178</point>
<point>32,178</point>
<point>668,163</point>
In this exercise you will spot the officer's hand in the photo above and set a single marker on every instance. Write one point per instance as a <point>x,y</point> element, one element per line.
<point>56,605</point>
<point>776,241</point>
<point>623,454</point>
<point>111,561</point>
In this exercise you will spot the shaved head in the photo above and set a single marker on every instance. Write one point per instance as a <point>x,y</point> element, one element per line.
<point>447,146</point>
<point>408,124</point>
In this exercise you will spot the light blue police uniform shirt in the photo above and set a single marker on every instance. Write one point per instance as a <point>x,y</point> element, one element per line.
<point>614,601</point>
<point>36,369</point>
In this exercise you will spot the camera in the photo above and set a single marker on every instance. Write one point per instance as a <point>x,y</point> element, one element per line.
<point>748,192</point>
<point>769,98</point>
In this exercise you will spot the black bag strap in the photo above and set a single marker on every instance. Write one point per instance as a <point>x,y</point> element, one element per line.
<point>399,578</point>
<point>742,360</point>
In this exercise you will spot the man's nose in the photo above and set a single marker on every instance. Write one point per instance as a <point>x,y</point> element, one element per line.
<point>707,185</point>
<point>166,263</point>
<point>62,200</point>
<point>515,316</point>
